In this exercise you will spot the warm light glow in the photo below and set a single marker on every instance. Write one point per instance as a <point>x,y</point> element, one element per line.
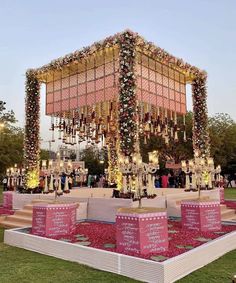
<point>32,179</point>
<point>126,160</point>
<point>183,163</point>
<point>210,161</point>
<point>139,161</point>
<point>44,163</point>
<point>69,164</point>
<point>61,163</point>
<point>121,159</point>
<point>50,163</point>
<point>150,157</point>
<point>191,163</point>
<point>202,162</point>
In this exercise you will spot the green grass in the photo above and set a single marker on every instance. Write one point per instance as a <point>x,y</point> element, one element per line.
<point>219,271</point>
<point>230,193</point>
<point>18,265</point>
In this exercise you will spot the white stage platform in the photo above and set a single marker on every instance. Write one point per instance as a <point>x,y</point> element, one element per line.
<point>145,270</point>
<point>99,200</point>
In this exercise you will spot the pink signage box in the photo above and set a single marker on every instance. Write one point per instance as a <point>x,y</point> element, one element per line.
<point>52,220</point>
<point>141,231</point>
<point>201,215</point>
<point>7,200</point>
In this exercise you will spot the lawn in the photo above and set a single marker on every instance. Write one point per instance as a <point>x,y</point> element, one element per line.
<point>230,193</point>
<point>18,265</point>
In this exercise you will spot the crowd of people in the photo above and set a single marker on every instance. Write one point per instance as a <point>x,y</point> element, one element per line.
<point>170,179</point>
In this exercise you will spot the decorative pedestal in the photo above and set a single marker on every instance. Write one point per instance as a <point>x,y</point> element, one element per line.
<point>7,200</point>
<point>141,231</point>
<point>201,215</point>
<point>52,220</point>
<point>222,195</point>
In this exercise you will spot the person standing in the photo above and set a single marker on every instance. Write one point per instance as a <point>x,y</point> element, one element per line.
<point>230,179</point>
<point>164,181</point>
<point>171,180</point>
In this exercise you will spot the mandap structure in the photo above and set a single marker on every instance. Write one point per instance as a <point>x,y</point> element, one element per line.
<point>113,92</point>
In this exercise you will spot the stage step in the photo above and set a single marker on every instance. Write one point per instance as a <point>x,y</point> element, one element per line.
<point>28,207</point>
<point>21,217</point>
<point>24,212</point>
<point>42,201</point>
<point>229,213</point>
<point>11,224</point>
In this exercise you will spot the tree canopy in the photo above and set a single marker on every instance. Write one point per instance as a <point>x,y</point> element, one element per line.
<point>95,160</point>
<point>222,132</point>
<point>11,140</point>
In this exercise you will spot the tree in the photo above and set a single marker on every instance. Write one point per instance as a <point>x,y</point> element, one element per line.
<point>73,156</point>
<point>11,140</point>
<point>175,150</point>
<point>44,154</point>
<point>95,160</point>
<point>222,130</point>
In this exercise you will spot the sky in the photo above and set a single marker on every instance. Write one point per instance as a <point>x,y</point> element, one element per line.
<point>202,32</point>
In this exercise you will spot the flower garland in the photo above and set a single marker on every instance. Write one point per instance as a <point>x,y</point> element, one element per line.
<point>166,58</point>
<point>32,110</point>
<point>200,127</point>
<point>127,93</point>
<point>110,41</point>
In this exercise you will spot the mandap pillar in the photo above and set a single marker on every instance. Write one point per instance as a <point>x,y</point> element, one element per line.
<point>201,146</point>
<point>32,134</point>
